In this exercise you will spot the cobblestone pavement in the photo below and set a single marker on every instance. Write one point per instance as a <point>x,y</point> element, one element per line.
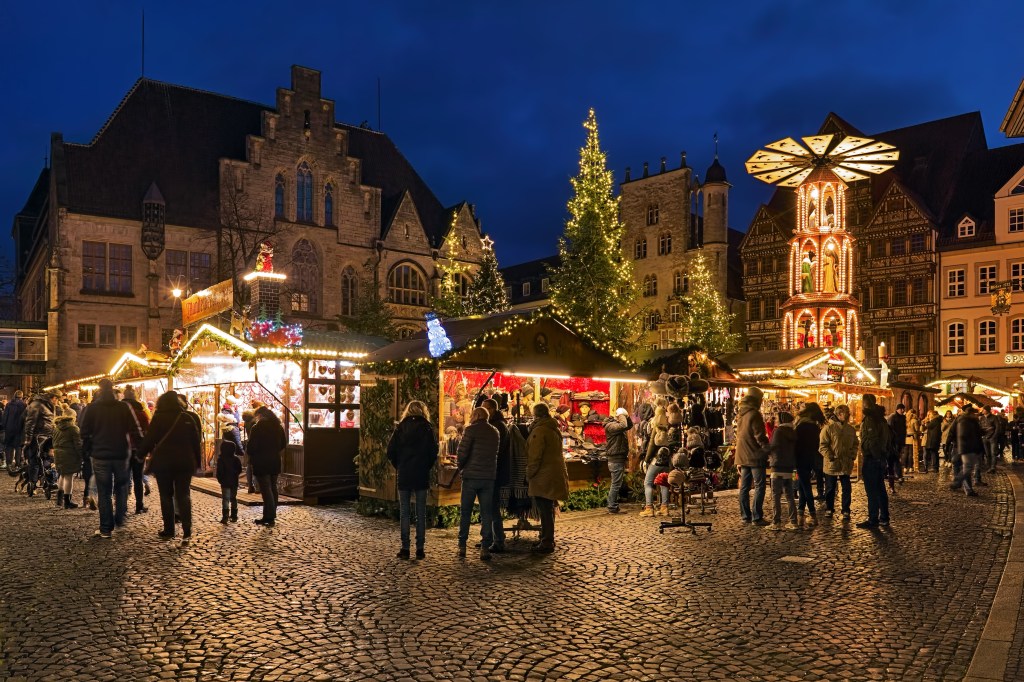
<point>322,596</point>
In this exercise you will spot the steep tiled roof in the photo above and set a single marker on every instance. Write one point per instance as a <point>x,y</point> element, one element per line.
<point>163,133</point>
<point>981,175</point>
<point>175,136</point>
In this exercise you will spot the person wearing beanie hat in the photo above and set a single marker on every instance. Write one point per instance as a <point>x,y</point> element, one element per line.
<point>875,444</point>
<point>229,468</point>
<point>662,464</point>
<point>616,449</point>
<point>751,455</point>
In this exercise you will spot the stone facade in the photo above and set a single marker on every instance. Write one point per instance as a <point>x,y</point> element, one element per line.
<point>335,200</point>
<point>668,217</point>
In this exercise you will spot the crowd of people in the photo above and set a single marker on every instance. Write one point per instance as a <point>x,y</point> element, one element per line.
<point>822,446</point>
<point>115,443</point>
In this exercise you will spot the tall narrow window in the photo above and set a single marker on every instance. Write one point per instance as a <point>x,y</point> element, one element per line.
<point>120,268</point>
<point>987,336</point>
<point>640,249</point>
<point>305,279</point>
<point>200,271</point>
<point>664,244</point>
<point>899,293</point>
<point>955,338</point>
<point>279,196</point>
<point>304,193</point>
<point>94,266</point>
<point>1017,335</point>
<point>955,283</point>
<point>329,205</point>
<point>919,290</point>
<point>986,275</point>
<point>653,214</point>
<point>349,289</point>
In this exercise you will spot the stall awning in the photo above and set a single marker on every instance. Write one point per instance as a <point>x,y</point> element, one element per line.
<point>970,381</point>
<point>981,400</point>
<point>770,360</point>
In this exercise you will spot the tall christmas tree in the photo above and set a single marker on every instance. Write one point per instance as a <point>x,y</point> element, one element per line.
<point>593,288</point>
<point>705,321</point>
<point>450,300</point>
<point>487,291</point>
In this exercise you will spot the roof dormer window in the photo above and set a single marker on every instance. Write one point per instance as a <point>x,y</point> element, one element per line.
<point>965,228</point>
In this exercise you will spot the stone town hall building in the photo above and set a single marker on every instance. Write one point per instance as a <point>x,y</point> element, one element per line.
<point>194,167</point>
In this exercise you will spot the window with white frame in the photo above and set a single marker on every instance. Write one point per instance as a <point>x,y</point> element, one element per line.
<point>673,312</point>
<point>987,336</point>
<point>956,283</point>
<point>965,228</point>
<point>986,275</point>
<point>664,244</point>
<point>653,214</point>
<point>1016,220</point>
<point>1017,335</point>
<point>903,342</point>
<point>651,285</point>
<point>545,283</point>
<point>955,338</point>
<point>526,288</point>
<point>1017,276</point>
<point>640,249</point>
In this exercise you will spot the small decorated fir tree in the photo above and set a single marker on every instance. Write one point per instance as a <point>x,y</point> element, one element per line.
<point>705,321</point>
<point>450,300</point>
<point>487,291</point>
<point>372,314</point>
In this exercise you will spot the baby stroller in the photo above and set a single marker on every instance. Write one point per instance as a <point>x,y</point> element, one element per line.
<point>692,483</point>
<point>48,478</point>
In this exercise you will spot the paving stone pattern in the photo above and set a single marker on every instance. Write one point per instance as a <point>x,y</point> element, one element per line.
<point>322,597</point>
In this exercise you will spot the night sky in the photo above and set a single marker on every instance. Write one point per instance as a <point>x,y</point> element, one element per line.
<point>486,99</point>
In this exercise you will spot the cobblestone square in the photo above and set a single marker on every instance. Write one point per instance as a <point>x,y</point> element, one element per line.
<point>322,596</point>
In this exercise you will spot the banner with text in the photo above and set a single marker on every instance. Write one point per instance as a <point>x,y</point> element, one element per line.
<point>208,302</point>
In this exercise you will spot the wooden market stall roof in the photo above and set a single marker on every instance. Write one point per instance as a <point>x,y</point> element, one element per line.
<point>968,380</point>
<point>531,341</point>
<point>769,361</point>
<point>979,399</point>
<point>129,367</point>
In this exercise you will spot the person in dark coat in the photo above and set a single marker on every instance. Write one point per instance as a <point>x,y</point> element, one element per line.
<point>808,429</point>
<point>502,475</point>
<point>173,446</point>
<point>898,426</point>
<point>875,446</point>
<point>267,441</point>
<point>14,431</point>
<point>966,432</point>
<point>142,421</point>
<point>478,460</point>
<point>229,468</point>
<point>616,449</point>
<point>412,450</point>
<point>39,418</point>
<point>782,459</point>
<point>107,429</point>
<point>932,442</point>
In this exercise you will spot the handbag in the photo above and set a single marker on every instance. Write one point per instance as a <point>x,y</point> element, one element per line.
<point>147,468</point>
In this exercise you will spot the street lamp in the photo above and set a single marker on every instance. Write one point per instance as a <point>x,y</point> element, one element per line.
<point>176,292</point>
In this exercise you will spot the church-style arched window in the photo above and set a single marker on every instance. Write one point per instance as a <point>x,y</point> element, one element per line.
<point>349,290</point>
<point>304,193</point>
<point>329,205</point>
<point>279,196</point>
<point>305,279</point>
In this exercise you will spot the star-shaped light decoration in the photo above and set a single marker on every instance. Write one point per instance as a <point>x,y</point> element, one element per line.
<point>787,163</point>
<point>487,243</point>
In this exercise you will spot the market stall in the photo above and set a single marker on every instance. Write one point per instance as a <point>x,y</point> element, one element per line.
<point>518,358</point>
<point>960,385</point>
<point>308,378</point>
<point>145,370</point>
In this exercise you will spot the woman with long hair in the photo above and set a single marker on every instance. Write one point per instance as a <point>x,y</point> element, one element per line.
<point>173,447</point>
<point>412,450</point>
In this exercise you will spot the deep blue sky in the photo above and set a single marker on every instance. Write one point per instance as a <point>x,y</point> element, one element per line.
<point>486,99</point>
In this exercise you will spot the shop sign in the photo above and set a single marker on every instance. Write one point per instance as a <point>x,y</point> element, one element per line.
<point>1013,359</point>
<point>834,371</point>
<point>208,302</point>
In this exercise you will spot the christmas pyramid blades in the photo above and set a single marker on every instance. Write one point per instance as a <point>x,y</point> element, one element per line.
<point>787,163</point>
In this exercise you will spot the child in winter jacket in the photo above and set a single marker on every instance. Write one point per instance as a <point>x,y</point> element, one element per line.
<point>782,460</point>
<point>67,455</point>
<point>229,468</point>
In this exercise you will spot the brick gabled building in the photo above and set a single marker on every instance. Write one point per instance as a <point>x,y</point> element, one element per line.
<point>112,226</point>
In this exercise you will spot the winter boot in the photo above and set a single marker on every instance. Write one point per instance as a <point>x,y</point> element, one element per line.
<point>648,510</point>
<point>68,504</point>
<point>60,498</point>
<point>663,511</point>
<point>800,520</point>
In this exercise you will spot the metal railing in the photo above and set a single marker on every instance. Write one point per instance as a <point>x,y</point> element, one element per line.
<point>23,344</point>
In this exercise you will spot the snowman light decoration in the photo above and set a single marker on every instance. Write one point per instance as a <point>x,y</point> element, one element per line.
<point>438,341</point>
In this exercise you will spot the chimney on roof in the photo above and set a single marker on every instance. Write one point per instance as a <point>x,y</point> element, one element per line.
<point>682,159</point>
<point>645,169</point>
<point>663,160</point>
<point>627,173</point>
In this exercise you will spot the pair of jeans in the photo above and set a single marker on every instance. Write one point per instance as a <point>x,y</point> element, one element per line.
<point>546,510</point>
<point>175,492</point>
<point>653,471</point>
<point>229,501</point>
<point>474,489</point>
<point>755,476</point>
<point>783,485</point>
<point>969,468</point>
<point>268,491</point>
<point>618,470</point>
<point>112,477</point>
<point>931,460</point>
<point>405,498</point>
<point>991,455</point>
<point>873,473</point>
<point>12,456</point>
<point>805,490</point>
<point>497,520</point>
<point>830,493</point>
<point>137,483</point>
